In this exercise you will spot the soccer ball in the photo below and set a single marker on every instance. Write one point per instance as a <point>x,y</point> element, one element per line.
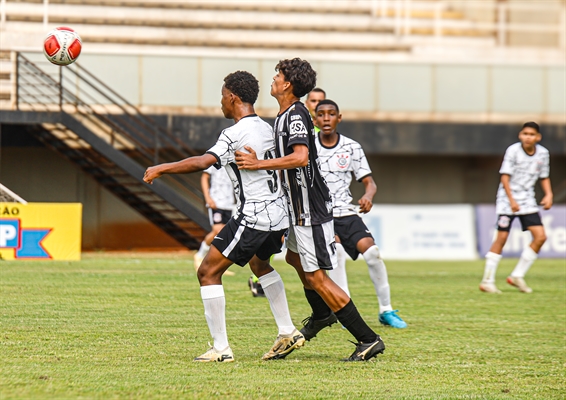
<point>62,46</point>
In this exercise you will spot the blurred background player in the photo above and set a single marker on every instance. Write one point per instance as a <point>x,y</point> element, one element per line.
<point>313,98</point>
<point>339,157</point>
<point>310,240</point>
<point>523,164</point>
<point>218,194</point>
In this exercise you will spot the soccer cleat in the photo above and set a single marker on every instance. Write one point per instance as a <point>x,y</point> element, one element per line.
<point>284,345</point>
<point>489,288</point>
<point>391,318</point>
<point>213,355</point>
<point>255,287</point>
<point>197,261</point>
<point>519,283</point>
<point>313,326</point>
<point>365,351</point>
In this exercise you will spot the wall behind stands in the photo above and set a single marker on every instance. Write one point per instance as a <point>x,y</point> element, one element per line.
<point>478,93</point>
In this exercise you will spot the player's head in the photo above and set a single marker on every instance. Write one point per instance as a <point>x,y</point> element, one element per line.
<point>239,87</point>
<point>530,134</point>
<point>327,116</point>
<point>314,96</point>
<point>295,76</point>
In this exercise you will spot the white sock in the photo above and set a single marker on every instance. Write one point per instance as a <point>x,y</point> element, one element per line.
<point>378,275</point>
<point>275,292</point>
<point>528,257</point>
<point>204,248</point>
<point>338,274</point>
<point>491,263</point>
<point>215,313</point>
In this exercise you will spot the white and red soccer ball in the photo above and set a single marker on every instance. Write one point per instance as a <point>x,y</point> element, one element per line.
<point>62,46</point>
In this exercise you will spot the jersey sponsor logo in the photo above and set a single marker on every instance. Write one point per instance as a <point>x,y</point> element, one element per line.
<point>295,117</point>
<point>297,128</point>
<point>503,221</point>
<point>342,160</point>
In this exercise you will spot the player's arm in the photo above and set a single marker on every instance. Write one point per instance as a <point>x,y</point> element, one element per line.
<point>205,185</point>
<point>546,201</point>
<point>366,201</point>
<point>298,158</point>
<point>188,165</point>
<point>505,179</point>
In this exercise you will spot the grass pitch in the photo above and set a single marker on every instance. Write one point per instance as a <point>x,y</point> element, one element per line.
<point>128,327</point>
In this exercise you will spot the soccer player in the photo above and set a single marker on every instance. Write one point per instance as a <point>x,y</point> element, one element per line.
<point>523,164</point>
<point>310,240</point>
<point>254,232</point>
<point>313,98</point>
<point>339,157</point>
<point>219,197</point>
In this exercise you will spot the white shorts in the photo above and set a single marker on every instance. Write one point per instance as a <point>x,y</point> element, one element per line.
<point>315,245</point>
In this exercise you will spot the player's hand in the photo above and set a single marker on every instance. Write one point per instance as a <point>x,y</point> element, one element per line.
<point>152,173</point>
<point>247,160</point>
<point>514,206</point>
<point>211,204</point>
<point>546,202</point>
<point>365,205</point>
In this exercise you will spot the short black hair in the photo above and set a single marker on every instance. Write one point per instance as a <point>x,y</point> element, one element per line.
<point>317,90</point>
<point>533,125</point>
<point>244,85</point>
<point>327,101</point>
<point>299,73</point>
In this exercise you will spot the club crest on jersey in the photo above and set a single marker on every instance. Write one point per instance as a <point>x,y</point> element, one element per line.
<point>342,160</point>
<point>503,221</point>
<point>297,128</point>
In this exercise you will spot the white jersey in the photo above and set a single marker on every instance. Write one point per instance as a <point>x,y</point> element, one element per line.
<point>221,188</point>
<point>261,203</point>
<point>337,164</point>
<point>524,170</point>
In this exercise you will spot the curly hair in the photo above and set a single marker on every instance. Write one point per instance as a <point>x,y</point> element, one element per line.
<point>299,73</point>
<point>244,85</point>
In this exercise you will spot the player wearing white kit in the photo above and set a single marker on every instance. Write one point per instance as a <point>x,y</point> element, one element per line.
<point>218,194</point>
<point>254,233</point>
<point>339,158</point>
<point>310,241</point>
<point>523,164</point>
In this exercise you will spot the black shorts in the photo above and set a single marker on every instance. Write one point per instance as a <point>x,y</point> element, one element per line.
<point>504,221</point>
<point>350,230</point>
<point>239,244</point>
<point>217,216</point>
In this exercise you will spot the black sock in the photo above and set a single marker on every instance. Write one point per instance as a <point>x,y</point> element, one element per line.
<point>351,319</point>
<point>319,308</point>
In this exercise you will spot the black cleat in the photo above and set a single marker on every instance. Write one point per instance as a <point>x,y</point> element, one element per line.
<point>365,351</point>
<point>313,326</point>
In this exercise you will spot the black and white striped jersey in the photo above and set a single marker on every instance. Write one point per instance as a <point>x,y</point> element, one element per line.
<point>337,165</point>
<point>308,196</point>
<point>260,200</point>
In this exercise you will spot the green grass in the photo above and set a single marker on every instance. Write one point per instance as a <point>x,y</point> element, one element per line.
<point>115,327</point>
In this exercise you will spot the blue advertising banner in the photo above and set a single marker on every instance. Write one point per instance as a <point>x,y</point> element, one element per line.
<point>554,221</point>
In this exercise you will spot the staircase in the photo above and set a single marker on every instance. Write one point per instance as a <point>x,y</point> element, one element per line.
<point>109,139</point>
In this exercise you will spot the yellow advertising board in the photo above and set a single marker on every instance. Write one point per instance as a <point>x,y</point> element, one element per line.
<point>40,231</point>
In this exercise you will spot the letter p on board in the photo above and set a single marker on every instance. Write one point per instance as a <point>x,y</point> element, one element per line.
<point>9,233</point>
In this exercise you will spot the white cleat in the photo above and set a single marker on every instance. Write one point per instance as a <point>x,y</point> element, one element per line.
<point>213,355</point>
<point>284,345</point>
<point>519,283</point>
<point>489,288</point>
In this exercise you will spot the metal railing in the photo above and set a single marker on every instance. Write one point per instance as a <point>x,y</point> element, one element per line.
<point>77,92</point>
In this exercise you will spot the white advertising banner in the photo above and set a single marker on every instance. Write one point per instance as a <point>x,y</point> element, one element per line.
<point>424,232</point>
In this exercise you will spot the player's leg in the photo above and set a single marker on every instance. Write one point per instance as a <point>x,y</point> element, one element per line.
<point>338,274</point>
<point>378,275</point>
<point>288,337</point>
<point>214,301</point>
<point>532,223</point>
<point>493,256</point>
<point>316,251</point>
